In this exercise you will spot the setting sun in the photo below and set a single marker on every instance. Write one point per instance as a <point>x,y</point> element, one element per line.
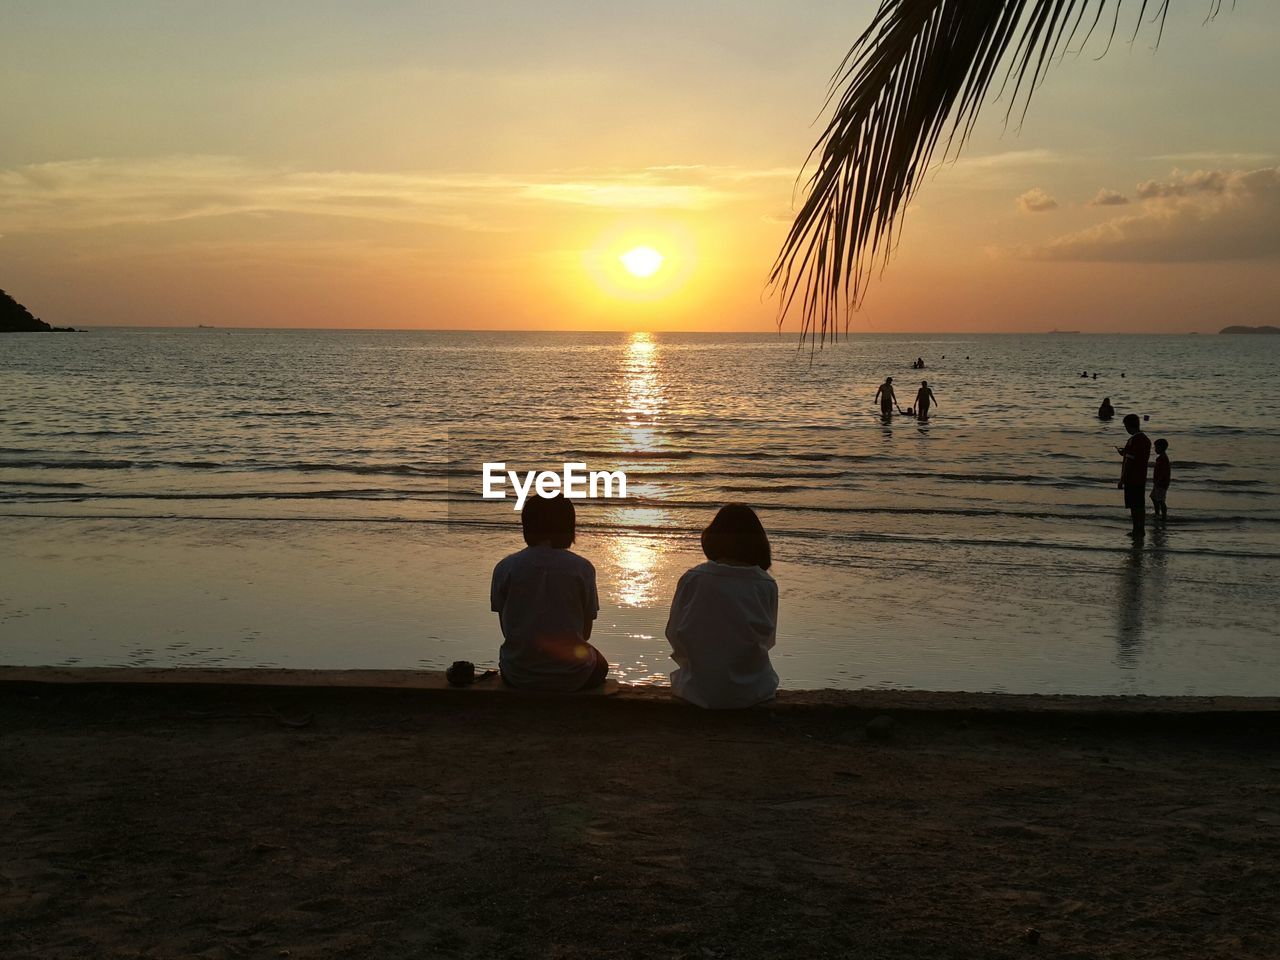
<point>642,261</point>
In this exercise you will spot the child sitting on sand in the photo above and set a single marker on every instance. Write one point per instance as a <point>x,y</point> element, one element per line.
<point>545,598</point>
<point>724,617</point>
<point>1160,479</point>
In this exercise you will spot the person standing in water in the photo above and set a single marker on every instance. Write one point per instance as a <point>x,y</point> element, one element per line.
<point>1133,473</point>
<point>1106,411</point>
<point>924,397</point>
<point>1160,477</point>
<point>888,400</point>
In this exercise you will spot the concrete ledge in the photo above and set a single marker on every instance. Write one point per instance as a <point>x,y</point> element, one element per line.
<point>432,684</point>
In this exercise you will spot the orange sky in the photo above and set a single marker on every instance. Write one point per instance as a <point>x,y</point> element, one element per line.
<point>421,166</point>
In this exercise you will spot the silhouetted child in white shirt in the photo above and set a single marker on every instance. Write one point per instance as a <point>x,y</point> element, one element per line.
<point>724,617</point>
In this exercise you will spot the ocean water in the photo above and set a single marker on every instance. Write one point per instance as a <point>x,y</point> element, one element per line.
<point>312,498</point>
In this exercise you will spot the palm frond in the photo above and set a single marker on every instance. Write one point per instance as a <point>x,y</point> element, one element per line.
<point>922,68</point>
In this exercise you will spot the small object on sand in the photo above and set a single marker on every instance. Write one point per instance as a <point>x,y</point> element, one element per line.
<point>1031,936</point>
<point>881,728</point>
<point>461,673</point>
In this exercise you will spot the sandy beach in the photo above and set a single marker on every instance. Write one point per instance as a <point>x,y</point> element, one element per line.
<point>377,815</point>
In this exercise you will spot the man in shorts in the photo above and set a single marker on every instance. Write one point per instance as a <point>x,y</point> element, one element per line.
<point>1133,474</point>
<point>886,397</point>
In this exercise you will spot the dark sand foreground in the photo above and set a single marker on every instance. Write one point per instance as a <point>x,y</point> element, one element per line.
<point>167,821</point>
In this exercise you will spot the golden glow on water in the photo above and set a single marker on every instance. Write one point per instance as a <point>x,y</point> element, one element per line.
<point>637,559</point>
<point>643,399</point>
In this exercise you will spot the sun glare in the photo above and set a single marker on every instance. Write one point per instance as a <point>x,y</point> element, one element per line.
<point>642,261</point>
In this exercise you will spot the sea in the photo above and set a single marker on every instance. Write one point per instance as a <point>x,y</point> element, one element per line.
<point>312,499</point>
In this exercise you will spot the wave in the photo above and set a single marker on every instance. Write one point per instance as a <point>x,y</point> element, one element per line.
<point>769,488</point>
<point>84,433</point>
<point>283,413</point>
<point>399,469</point>
<point>629,454</point>
<point>723,455</point>
<point>375,493</point>
<point>854,537</point>
<point>39,483</point>
<point>69,464</point>
<point>1086,513</point>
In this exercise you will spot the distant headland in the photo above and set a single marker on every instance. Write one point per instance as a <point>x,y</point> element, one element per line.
<point>1250,330</point>
<point>15,318</point>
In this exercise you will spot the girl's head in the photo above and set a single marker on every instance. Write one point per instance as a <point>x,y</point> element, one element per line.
<point>1162,445</point>
<point>737,536</point>
<point>548,520</point>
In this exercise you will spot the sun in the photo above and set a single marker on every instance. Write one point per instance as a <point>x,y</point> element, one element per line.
<point>642,261</point>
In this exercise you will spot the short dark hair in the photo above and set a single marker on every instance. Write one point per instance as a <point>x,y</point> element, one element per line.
<point>1132,419</point>
<point>1161,445</point>
<point>548,518</point>
<point>737,534</point>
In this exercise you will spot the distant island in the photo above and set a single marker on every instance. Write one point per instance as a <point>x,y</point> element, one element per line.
<point>15,318</point>
<point>1250,330</point>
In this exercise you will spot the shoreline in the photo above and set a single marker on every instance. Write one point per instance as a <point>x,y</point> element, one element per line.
<point>432,684</point>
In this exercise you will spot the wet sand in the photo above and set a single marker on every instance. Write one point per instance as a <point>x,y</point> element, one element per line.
<point>354,815</point>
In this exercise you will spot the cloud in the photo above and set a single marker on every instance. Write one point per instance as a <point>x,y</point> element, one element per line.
<point>1202,181</point>
<point>784,216</point>
<point>626,194</point>
<point>1195,217</point>
<point>1214,157</point>
<point>1108,198</point>
<point>992,170</point>
<point>1036,201</point>
<point>96,193</point>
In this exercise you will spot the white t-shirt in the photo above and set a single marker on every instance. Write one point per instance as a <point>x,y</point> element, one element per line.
<point>724,621</point>
<point>544,597</point>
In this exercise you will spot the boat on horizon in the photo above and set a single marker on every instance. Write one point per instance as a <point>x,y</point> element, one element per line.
<point>1062,331</point>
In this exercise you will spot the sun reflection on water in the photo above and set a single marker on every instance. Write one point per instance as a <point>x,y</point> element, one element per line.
<point>637,558</point>
<point>642,399</point>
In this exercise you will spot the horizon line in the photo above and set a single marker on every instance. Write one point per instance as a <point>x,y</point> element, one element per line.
<point>779,332</point>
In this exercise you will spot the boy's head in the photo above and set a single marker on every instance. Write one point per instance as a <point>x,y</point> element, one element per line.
<point>736,534</point>
<point>1132,423</point>
<point>548,520</point>
<point>1162,445</point>
<point>888,379</point>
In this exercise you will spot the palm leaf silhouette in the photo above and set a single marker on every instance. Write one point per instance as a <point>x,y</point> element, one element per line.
<point>922,68</point>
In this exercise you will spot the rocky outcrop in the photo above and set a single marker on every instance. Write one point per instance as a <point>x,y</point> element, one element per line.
<point>15,318</point>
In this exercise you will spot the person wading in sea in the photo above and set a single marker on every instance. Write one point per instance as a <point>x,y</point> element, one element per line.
<point>924,397</point>
<point>886,397</point>
<point>1133,473</point>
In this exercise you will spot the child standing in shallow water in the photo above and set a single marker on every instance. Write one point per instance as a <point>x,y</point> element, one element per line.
<point>724,617</point>
<point>1160,479</point>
